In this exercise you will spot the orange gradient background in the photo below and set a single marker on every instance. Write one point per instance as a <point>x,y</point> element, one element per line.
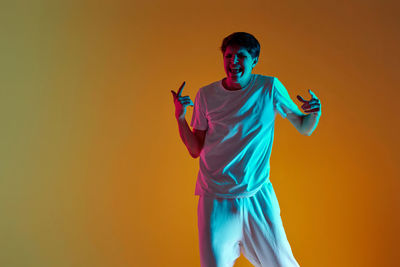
<point>92,168</point>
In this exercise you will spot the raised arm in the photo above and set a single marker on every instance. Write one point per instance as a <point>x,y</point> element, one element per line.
<point>193,141</point>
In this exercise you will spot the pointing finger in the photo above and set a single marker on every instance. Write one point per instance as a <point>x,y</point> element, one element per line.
<point>181,88</point>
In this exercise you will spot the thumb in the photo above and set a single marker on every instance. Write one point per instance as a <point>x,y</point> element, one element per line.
<point>301,99</point>
<point>173,94</point>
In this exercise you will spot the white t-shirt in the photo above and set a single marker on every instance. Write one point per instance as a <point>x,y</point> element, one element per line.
<point>234,161</point>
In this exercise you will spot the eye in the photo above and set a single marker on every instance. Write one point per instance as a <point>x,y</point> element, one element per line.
<point>241,56</point>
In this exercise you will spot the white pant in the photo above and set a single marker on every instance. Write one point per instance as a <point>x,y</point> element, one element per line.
<point>251,225</point>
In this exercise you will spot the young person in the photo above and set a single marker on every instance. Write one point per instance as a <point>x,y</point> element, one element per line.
<point>233,129</point>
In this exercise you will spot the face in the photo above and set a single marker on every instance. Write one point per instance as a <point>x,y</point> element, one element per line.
<point>238,64</point>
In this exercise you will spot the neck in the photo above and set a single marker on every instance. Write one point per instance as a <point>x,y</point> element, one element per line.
<point>230,85</point>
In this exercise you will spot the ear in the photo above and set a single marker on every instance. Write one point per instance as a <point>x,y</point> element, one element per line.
<point>255,61</point>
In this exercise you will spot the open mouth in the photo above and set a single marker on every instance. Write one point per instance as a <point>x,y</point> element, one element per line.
<point>236,71</point>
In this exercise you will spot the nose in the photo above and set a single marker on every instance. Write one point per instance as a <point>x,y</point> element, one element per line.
<point>234,59</point>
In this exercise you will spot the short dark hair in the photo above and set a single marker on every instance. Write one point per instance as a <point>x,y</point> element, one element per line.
<point>242,39</point>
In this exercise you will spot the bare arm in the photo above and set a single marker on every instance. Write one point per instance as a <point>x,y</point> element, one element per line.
<point>306,124</point>
<point>193,141</point>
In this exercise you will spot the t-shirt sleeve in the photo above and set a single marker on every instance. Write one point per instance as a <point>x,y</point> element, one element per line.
<point>199,119</point>
<point>282,101</point>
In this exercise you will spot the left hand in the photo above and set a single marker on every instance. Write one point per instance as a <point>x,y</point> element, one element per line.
<point>311,106</point>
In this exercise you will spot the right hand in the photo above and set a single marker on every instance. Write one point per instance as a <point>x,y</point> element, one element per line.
<point>181,102</point>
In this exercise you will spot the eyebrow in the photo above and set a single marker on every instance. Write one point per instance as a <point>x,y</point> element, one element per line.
<point>239,53</point>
